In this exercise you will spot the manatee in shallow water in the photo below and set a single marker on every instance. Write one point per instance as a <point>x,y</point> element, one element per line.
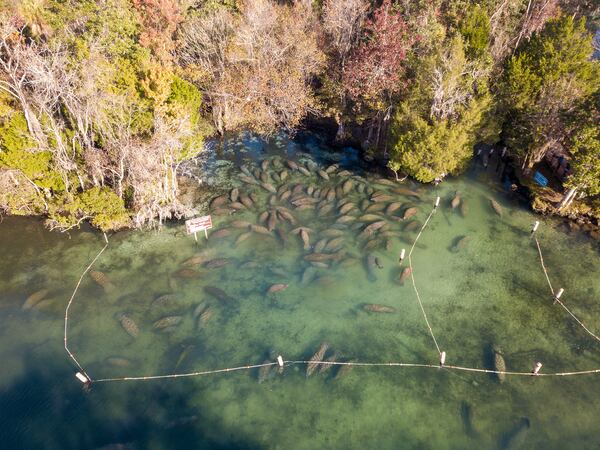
<point>218,293</point>
<point>277,288</point>
<point>515,438</point>
<point>496,207</point>
<point>499,363</point>
<point>35,298</point>
<point>316,358</point>
<point>459,243</point>
<point>128,325</point>
<point>376,308</point>
<point>405,274</point>
<point>455,200</point>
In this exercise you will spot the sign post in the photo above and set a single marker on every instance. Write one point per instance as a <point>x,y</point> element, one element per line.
<point>196,224</point>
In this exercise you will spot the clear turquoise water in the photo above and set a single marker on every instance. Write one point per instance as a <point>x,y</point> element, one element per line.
<point>490,293</point>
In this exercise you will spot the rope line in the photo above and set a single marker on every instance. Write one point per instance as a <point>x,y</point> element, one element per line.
<point>557,300</point>
<point>412,277</point>
<point>336,363</point>
<point>71,355</point>
<point>354,364</point>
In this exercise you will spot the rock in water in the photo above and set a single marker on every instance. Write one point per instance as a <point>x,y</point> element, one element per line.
<point>499,364</point>
<point>372,307</point>
<point>316,358</point>
<point>129,325</point>
<point>35,298</point>
<point>102,280</point>
<point>277,288</point>
<point>405,274</point>
<point>496,207</point>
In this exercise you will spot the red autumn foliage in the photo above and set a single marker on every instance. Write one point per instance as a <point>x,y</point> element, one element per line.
<point>159,20</point>
<point>375,67</point>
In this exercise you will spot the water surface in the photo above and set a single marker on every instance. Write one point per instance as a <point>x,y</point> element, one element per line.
<point>489,292</point>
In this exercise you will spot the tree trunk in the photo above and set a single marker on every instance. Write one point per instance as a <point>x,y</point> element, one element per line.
<point>567,198</point>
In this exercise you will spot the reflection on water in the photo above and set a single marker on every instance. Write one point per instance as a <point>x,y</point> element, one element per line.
<point>303,260</point>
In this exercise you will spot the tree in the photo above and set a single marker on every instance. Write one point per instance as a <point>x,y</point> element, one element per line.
<point>373,73</point>
<point>255,67</point>
<point>443,115</point>
<point>543,81</point>
<point>583,144</point>
<point>342,23</point>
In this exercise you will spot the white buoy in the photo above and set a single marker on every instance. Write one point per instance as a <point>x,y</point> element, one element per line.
<point>536,368</point>
<point>437,202</point>
<point>442,359</point>
<point>280,361</point>
<point>402,253</point>
<point>535,226</point>
<point>558,294</point>
<point>81,377</point>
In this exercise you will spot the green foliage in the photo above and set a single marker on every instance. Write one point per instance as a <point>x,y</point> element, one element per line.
<point>427,149</point>
<point>17,151</point>
<point>545,78</point>
<point>103,207</point>
<point>185,98</point>
<point>475,29</point>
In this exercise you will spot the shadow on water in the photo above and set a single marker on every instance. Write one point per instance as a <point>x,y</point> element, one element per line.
<point>80,419</point>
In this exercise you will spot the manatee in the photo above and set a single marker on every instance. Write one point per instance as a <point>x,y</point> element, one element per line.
<point>373,307</point>
<point>219,201</point>
<point>129,325</point>
<point>205,316</point>
<point>332,168</point>
<point>246,201</point>
<point>332,232</point>
<point>102,280</point>
<point>371,267</point>
<point>164,300</point>
<point>327,367</point>
<point>35,298</point>
<point>277,288</point>
<point>455,201</point>
<point>323,174</point>
<point>393,207</point>
<point>496,206</point>
<point>200,258</point>
<point>376,207</point>
<point>499,364</point>
<point>248,179</point>
<point>292,165</point>
<point>346,208</point>
<point>406,273</point>
<point>459,243</point>
<point>217,263</point>
<point>242,237</point>
<point>269,187</point>
<point>409,212</point>
<point>283,175</point>
<point>223,232</point>
<point>316,359</point>
<point>382,198</point>
<point>347,186</point>
<point>168,321</point>
<point>260,229</point>
<point>234,194</point>
<point>334,244</point>
<point>308,275</point>
<point>305,238</point>
<point>464,208</point>
<point>515,438</point>
<point>218,293</point>
<point>303,170</point>
<point>187,273</point>
<point>265,372</point>
<point>264,165</point>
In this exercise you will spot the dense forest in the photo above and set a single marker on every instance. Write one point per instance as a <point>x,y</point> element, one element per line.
<point>101,101</point>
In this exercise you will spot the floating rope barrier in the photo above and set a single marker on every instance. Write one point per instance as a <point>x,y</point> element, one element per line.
<point>557,295</point>
<point>71,355</point>
<point>85,378</point>
<point>412,276</point>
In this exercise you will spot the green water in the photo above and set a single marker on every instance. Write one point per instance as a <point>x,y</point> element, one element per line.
<point>491,292</point>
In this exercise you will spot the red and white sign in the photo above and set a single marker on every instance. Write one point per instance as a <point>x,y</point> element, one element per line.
<point>198,224</point>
